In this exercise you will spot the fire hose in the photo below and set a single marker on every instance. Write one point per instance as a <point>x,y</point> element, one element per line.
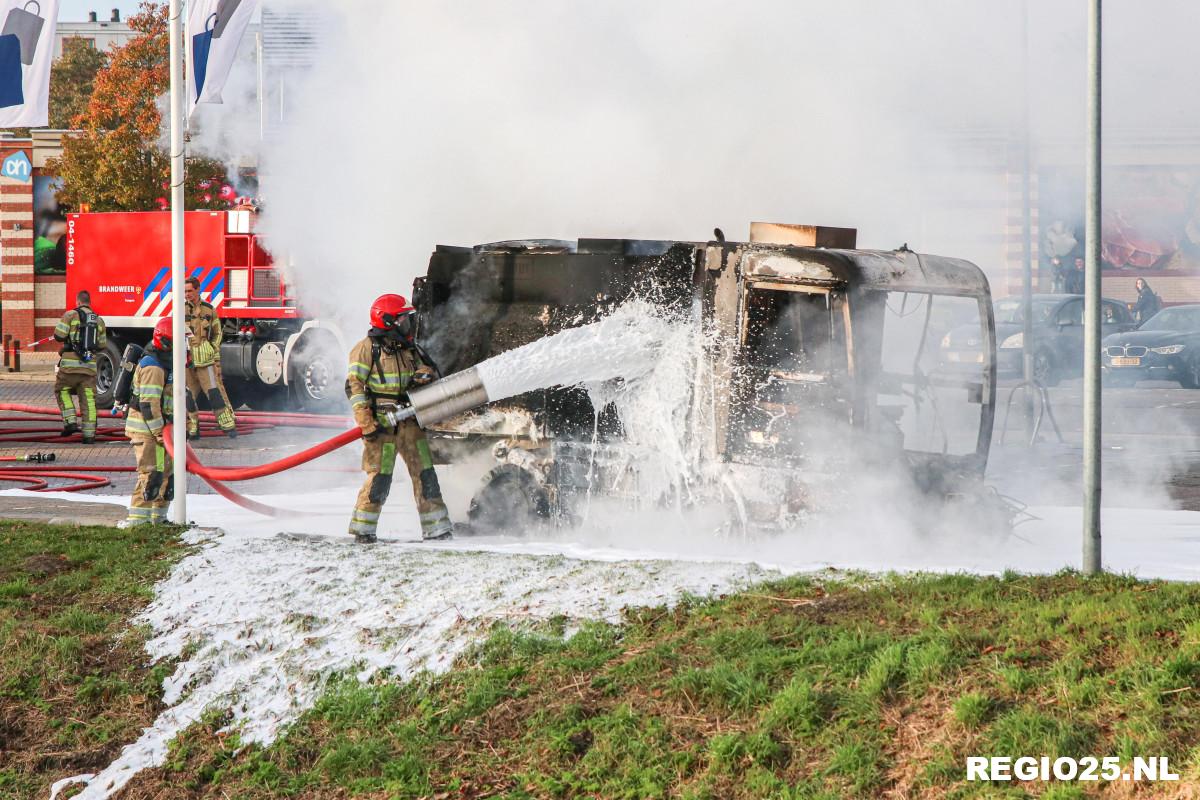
<point>214,476</point>
<point>437,401</point>
<point>36,476</point>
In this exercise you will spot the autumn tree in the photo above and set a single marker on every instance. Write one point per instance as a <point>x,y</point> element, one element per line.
<point>71,81</point>
<point>117,162</point>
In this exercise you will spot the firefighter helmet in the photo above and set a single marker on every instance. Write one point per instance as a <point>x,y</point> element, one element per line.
<point>162,334</point>
<point>387,310</point>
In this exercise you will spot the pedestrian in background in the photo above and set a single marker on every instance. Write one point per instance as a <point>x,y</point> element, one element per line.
<point>1074,281</point>
<point>1148,303</point>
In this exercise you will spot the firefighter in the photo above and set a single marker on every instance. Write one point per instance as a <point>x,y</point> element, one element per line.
<point>382,367</point>
<point>203,376</point>
<point>149,410</point>
<point>81,332</point>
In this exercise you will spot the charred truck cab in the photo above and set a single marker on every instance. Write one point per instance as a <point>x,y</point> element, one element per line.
<point>822,362</point>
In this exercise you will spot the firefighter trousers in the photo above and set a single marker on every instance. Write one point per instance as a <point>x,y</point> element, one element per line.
<point>407,442</point>
<point>206,382</point>
<point>67,386</point>
<point>153,491</point>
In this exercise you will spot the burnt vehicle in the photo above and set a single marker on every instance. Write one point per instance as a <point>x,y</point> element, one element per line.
<point>1164,347</point>
<point>811,352</point>
<point>1057,336</point>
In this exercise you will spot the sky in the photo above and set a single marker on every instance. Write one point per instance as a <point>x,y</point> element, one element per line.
<point>77,10</point>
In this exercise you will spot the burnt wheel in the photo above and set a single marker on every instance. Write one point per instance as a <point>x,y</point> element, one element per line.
<point>511,500</point>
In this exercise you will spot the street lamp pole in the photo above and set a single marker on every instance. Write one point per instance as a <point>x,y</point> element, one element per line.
<point>1026,232</point>
<point>178,328</point>
<point>1091,331</point>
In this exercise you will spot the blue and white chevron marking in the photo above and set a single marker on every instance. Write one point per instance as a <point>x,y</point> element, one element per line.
<point>156,299</point>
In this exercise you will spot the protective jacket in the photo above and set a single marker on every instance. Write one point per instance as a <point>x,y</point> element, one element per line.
<point>67,332</point>
<point>150,405</point>
<point>205,342</point>
<point>379,378</point>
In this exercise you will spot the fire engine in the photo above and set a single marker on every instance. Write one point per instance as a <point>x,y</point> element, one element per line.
<point>275,352</point>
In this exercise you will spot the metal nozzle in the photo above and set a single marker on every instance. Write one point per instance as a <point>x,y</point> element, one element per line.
<point>447,397</point>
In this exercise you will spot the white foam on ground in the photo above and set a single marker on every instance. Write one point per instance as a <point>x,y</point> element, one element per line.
<point>269,620</point>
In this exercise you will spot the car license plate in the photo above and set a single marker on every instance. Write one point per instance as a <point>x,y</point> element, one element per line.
<point>965,358</point>
<point>1126,361</point>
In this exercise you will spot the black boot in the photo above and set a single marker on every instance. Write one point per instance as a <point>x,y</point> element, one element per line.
<point>70,429</point>
<point>89,439</point>
<point>193,436</point>
<point>231,433</point>
<point>365,538</point>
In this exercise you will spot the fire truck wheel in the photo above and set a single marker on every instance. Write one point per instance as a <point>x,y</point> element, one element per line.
<point>511,501</point>
<point>316,374</point>
<point>108,362</point>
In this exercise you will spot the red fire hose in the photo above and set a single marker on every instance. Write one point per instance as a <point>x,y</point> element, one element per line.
<point>36,476</point>
<point>213,476</point>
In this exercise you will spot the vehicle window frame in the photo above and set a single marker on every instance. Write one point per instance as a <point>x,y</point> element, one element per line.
<point>1075,320</point>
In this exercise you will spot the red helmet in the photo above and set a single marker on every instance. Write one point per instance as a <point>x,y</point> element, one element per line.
<point>163,334</point>
<point>387,310</point>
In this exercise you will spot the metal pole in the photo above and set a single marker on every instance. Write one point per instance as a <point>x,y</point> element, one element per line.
<point>262,111</point>
<point>1091,322</point>
<point>1026,230</point>
<point>178,331</point>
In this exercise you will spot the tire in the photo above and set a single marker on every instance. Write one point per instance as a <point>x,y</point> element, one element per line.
<point>316,374</point>
<point>1045,369</point>
<point>108,362</point>
<point>511,500</point>
<point>1190,379</point>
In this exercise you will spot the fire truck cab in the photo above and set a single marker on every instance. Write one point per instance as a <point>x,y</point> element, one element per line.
<point>274,351</point>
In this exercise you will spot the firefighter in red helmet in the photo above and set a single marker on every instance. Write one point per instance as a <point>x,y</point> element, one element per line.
<point>383,366</point>
<point>149,411</point>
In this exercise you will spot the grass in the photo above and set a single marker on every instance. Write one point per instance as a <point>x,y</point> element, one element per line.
<point>803,689</point>
<point>74,687</point>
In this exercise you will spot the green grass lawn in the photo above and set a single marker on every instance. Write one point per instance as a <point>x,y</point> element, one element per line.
<point>807,688</point>
<point>811,687</point>
<point>74,685</point>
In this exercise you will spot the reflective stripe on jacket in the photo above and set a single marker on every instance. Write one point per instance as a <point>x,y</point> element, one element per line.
<point>150,406</point>
<point>387,380</point>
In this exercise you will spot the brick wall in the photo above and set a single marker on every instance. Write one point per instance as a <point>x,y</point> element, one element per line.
<point>1172,287</point>
<point>17,292</point>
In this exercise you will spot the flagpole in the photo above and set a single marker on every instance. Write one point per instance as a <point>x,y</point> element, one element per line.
<point>179,332</point>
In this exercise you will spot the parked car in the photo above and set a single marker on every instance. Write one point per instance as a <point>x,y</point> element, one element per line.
<point>1165,347</point>
<point>1057,336</point>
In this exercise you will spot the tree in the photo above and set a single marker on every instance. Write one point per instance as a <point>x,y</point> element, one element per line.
<point>71,81</point>
<point>116,163</point>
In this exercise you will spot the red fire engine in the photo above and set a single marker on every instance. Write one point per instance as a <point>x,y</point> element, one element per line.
<point>274,352</point>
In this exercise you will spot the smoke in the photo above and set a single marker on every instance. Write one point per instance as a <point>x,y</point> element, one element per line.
<point>425,124</point>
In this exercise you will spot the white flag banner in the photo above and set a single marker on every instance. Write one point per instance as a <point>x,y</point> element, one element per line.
<point>26,53</point>
<point>214,31</point>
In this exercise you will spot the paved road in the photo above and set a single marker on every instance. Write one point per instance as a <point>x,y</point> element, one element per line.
<point>337,468</point>
<point>1151,455</point>
<point>1151,446</point>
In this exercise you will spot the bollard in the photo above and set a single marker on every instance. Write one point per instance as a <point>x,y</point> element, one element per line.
<point>16,356</point>
<point>7,345</point>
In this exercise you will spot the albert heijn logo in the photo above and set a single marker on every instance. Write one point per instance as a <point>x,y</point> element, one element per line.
<point>17,167</point>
